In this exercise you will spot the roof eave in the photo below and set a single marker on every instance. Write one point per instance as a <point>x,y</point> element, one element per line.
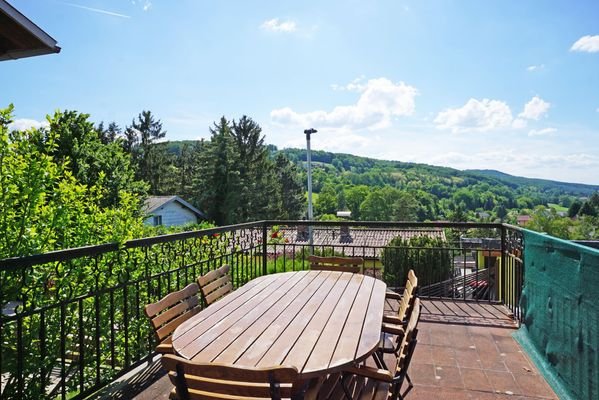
<point>48,44</point>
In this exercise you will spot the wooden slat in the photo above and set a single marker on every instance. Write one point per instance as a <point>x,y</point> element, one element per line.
<point>215,284</point>
<point>325,347</point>
<point>281,347</point>
<point>172,298</point>
<point>187,332</point>
<point>220,292</point>
<point>212,275</point>
<point>211,330</point>
<point>339,264</point>
<point>222,381</point>
<point>168,329</point>
<point>347,346</point>
<point>245,331</point>
<point>212,286</point>
<point>172,312</point>
<point>258,348</point>
<point>370,338</point>
<point>305,344</point>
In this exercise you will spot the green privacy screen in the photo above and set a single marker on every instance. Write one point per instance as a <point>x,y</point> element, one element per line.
<point>560,302</point>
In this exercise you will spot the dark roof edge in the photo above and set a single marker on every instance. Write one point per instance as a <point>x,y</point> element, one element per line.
<point>32,28</point>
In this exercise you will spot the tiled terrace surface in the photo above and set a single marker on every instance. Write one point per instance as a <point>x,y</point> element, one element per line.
<point>465,351</point>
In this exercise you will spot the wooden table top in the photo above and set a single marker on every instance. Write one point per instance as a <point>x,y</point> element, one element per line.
<point>316,321</point>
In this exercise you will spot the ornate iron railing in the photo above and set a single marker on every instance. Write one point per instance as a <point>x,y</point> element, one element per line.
<point>72,320</point>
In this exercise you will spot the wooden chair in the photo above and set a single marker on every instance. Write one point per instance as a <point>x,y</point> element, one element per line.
<point>386,382</point>
<point>169,312</point>
<point>341,264</point>
<point>199,381</point>
<point>394,325</point>
<point>215,284</point>
<point>412,278</point>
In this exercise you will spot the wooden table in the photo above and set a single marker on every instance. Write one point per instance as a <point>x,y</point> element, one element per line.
<point>316,321</point>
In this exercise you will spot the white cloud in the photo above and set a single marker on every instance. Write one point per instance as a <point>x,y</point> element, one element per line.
<point>354,86</point>
<point>532,68</point>
<point>147,5</point>
<point>542,132</point>
<point>519,123</point>
<point>589,44</point>
<point>380,100</point>
<point>275,25</point>
<point>535,108</point>
<point>505,158</point>
<point>24,124</point>
<point>476,115</point>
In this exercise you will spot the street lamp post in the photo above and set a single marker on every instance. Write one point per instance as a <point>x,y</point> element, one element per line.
<point>308,132</point>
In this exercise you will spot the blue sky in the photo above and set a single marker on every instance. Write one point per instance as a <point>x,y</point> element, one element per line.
<point>512,86</point>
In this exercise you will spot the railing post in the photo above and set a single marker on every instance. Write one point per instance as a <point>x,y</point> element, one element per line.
<point>264,249</point>
<point>503,265</point>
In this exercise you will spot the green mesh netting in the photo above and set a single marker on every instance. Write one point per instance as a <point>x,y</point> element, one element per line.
<point>560,304</point>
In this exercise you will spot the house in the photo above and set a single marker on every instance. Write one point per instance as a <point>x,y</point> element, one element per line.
<point>523,219</point>
<point>19,37</point>
<point>170,211</point>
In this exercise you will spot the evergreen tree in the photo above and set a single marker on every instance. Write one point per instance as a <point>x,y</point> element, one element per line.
<point>217,183</point>
<point>293,201</point>
<point>149,155</point>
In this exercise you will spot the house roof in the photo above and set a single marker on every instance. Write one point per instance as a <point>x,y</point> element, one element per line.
<point>19,37</point>
<point>369,242</point>
<point>153,203</point>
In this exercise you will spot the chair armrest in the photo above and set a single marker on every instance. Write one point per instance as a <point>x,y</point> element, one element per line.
<point>393,319</point>
<point>370,372</point>
<point>393,329</point>
<point>392,295</point>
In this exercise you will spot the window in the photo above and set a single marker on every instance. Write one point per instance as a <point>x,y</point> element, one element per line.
<point>157,220</point>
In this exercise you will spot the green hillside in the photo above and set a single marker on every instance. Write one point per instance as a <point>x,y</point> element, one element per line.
<point>543,184</point>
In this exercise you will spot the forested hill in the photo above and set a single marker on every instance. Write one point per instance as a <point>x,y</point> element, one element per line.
<point>543,184</point>
<point>362,164</point>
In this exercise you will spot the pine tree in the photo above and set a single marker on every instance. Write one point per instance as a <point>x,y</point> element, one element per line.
<point>149,155</point>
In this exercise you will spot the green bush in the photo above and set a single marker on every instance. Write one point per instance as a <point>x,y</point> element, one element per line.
<point>429,257</point>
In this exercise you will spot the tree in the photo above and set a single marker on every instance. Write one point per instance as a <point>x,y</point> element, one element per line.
<point>354,196</point>
<point>142,140</point>
<point>326,202</point>
<point>574,208</point>
<point>429,257</point>
<point>44,206</point>
<point>293,201</point>
<point>216,184</point>
<point>587,209</point>
<point>79,146</point>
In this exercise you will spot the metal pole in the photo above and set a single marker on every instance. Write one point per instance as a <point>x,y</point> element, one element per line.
<point>308,132</point>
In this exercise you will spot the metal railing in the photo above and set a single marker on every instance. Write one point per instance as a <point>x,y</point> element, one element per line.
<point>72,320</point>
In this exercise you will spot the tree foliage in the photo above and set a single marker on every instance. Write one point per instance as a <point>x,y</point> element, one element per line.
<point>430,258</point>
<point>53,198</point>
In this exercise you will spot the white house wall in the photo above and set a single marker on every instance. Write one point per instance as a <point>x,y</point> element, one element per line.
<point>173,214</point>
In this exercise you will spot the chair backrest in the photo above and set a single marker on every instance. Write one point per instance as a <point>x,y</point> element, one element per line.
<point>410,292</point>
<point>341,264</point>
<point>195,381</point>
<point>407,347</point>
<point>169,312</point>
<point>215,284</point>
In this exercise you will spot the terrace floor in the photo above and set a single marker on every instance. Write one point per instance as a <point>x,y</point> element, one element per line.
<point>465,351</point>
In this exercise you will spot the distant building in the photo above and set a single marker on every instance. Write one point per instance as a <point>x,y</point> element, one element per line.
<point>523,219</point>
<point>170,211</point>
